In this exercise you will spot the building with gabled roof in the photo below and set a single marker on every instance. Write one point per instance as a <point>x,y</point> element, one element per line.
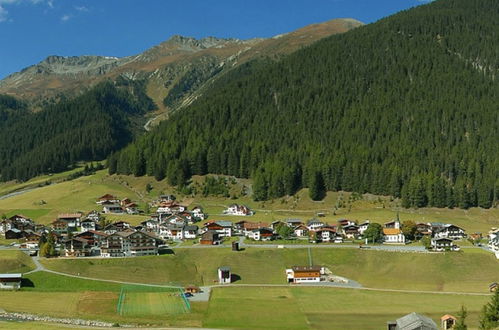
<point>304,274</point>
<point>412,321</point>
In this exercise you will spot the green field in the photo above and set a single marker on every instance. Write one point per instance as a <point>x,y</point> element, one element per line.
<point>324,308</point>
<point>151,303</point>
<point>460,272</point>
<point>258,308</point>
<point>47,282</point>
<point>12,261</point>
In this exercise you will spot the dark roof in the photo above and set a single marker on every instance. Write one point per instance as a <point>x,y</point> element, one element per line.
<point>224,268</point>
<point>306,268</point>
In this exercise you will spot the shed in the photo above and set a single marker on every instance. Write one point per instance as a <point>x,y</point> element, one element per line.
<point>224,275</point>
<point>10,281</point>
<point>447,321</point>
<point>493,287</point>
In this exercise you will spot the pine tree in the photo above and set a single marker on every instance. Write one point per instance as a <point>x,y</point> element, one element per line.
<point>461,320</point>
<point>317,190</point>
<point>489,318</point>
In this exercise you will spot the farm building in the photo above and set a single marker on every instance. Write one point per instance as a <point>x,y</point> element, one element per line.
<point>493,287</point>
<point>304,274</point>
<point>10,281</point>
<point>412,321</point>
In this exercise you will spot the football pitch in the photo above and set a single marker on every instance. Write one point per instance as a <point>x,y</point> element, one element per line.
<point>144,301</point>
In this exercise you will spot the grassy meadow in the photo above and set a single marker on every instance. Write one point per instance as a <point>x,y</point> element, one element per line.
<point>12,261</point>
<point>451,272</point>
<point>236,307</point>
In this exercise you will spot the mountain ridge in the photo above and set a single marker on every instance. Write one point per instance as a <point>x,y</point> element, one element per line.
<point>56,75</point>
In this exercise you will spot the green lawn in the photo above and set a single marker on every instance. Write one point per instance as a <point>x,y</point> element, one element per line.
<point>47,282</point>
<point>326,308</point>
<point>13,261</point>
<point>461,272</point>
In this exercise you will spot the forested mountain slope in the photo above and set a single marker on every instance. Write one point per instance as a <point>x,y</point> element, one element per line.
<point>407,106</point>
<point>88,127</point>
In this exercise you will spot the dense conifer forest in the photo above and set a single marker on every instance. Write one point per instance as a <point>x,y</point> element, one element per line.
<point>407,106</point>
<point>88,127</point>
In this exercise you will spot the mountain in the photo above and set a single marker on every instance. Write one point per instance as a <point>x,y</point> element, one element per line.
<point>173,70</point>
<point>406,107</point>
<point>69,109</point>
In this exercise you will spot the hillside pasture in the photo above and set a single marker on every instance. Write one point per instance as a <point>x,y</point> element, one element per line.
<point>13,261</point>
<point>442,272</point>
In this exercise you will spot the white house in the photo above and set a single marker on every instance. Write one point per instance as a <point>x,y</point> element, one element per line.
<point>87,225</point>
<point>450,231</point>
<point>167,231</point>
<point>261,234</point>
<point>304,274</point>
<point>443,244</point>
<point>131,208</point>
<point>151,225</point>
<point>10,281</point>
<point>315,224</point>
<point>112,208</point>
<point>170,207</point>
<point>198,213</point>
<point>326,234</point>
<point>190,232</point>
<point>222,228</point>
<point>301,231</point>
<point>239,210</point>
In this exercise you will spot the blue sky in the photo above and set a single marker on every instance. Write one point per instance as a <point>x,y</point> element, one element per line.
<point>30,30</point>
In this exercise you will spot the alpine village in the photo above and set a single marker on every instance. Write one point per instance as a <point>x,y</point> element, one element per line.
<point>342,175</point>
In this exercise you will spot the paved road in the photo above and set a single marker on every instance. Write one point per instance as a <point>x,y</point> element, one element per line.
<point>393,248</point>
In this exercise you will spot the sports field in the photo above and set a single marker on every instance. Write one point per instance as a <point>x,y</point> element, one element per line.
<point>152,303</point>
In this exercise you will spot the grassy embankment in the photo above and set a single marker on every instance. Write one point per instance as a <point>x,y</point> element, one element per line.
<point>12,261</point>
<point>460,272</point>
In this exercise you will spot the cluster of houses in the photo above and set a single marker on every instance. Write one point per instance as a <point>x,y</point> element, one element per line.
<point>86,235</point>
<point>113,205</point>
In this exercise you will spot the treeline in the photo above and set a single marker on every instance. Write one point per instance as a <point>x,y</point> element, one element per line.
<point>404,107</point>
<point>88,127</point>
